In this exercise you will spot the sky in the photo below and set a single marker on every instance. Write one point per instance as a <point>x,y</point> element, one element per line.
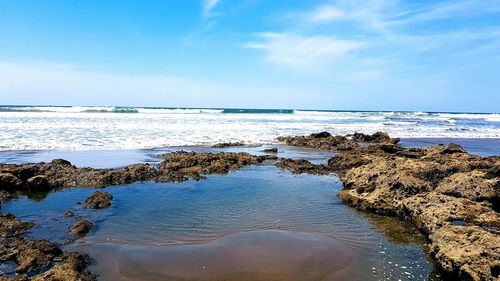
<point>302,54</point>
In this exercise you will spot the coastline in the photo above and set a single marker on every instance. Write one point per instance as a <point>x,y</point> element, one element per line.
<point>352,164</point>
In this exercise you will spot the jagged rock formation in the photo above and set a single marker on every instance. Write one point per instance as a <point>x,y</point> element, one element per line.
<point>449,194</point>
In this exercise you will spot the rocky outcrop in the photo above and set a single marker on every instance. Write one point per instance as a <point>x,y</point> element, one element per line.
<point>38,259</point>
<point>60,173</point>
<point>180,166</point>
<point>176,166</point>
<point>98,200</point>
<point>447,193</point>
<point>327,141</point>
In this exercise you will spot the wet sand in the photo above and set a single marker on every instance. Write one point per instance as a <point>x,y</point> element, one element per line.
<point>254,255</point>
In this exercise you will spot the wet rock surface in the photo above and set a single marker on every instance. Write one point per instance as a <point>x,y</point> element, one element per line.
<point>302,166</point>
<point>43,260</point>
<point>432,187</point>
<point>81,227</point>
<point>176,166</point>
<point>38,259</point>
<point>180,166</point>
<point>228,144</point>
<point>273,150</point>
<point>98,200</point>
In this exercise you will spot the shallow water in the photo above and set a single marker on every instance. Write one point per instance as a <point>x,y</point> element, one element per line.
<point>258,223</point>
<point>120,158</point>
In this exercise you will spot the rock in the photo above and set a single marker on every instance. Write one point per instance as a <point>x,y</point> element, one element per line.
<point>29,255</point>
<point>177,166</point>
<point>321,135</point>
<point>69,214</point>
<point>98,200</point>
<point>38,183</point>
<point>81,228</point>
<point>378,137</point>
<point>73,267</point>
<point>11,227</point>
<point>4,196</point>
<point>61,162</point>
<point>228,144</point>
<point>453,148</point>
<point>273,150</point>
<point>468,252</point>
<point>302,166</point>
<point>8,181</point>
<point>180,166</point>
<point>433,187</point>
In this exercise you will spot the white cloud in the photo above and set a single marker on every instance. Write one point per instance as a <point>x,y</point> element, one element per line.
<point>302,51</point>
<point>326,13</point>
<point>208,6</point>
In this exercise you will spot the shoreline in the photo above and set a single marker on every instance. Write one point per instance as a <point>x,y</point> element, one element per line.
<point>356,166</point>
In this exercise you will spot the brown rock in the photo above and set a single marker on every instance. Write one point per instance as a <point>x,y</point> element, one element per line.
<point>81,228</point>
<point>73,267</point>
<point>453,148</point>
<point>98,200</point>
<point>302,166</point>
<point>447,193</point>
<point>11,227</point>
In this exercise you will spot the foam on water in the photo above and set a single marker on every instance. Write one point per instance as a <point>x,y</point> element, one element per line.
<point>101,128</point>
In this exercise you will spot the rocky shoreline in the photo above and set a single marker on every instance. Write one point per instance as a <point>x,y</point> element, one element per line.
<point>452,196</point>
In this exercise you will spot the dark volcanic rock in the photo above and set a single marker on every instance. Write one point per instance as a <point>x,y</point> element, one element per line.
<point>273,150</point>
<point>378,137</point>
<point>9,181</point>
<point>321,135</point>
<point>98,200</point>
<point>38,183</point>
<point>80,228</point>
<point>228,144</point>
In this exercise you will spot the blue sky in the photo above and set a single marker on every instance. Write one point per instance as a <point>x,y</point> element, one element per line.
<point>314,54</point>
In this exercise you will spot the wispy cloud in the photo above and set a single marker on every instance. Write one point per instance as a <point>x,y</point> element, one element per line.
<point>302,51</point>
<point>208,6</point>
<point>326,13</point>
<point>401,34</point>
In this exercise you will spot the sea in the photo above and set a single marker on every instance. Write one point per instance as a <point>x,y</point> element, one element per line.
<point>80,128</point>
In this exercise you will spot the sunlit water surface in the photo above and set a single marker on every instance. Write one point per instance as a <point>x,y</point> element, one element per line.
<point>259,223</point>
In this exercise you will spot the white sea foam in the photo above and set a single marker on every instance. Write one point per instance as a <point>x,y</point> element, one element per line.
<point>88,128</point>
